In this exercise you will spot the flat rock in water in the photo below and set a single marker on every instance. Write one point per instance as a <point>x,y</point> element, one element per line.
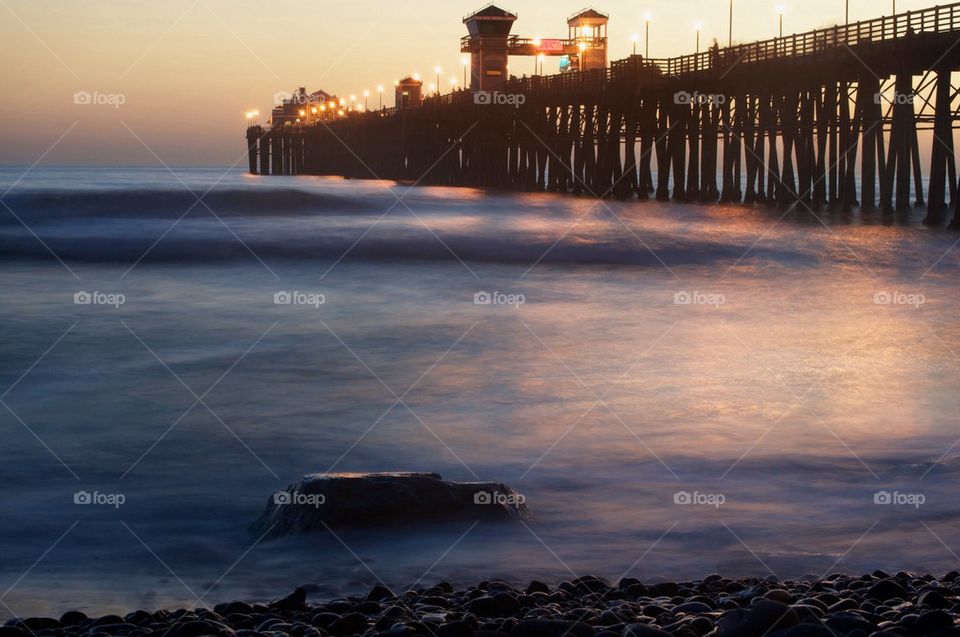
<point>319,501</point>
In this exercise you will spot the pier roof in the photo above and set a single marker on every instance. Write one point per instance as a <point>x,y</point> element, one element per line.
<point>492,11</point>
<point>588,14</point>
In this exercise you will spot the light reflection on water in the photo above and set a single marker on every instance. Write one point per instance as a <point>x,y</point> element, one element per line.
<point>797,398</point>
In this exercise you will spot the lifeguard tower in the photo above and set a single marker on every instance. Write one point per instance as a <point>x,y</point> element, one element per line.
<point>588,30</point>
<point>488,45</point>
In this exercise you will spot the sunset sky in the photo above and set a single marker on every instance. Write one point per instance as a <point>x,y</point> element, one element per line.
<point>186,70</point>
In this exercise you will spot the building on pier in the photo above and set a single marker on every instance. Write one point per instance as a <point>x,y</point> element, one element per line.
<point>588,30</point>
<point>301,107</point>
<point>409,93</point>
<point>489,47</point>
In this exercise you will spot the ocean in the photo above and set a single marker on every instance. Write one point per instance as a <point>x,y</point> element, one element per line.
<point>676,389</point>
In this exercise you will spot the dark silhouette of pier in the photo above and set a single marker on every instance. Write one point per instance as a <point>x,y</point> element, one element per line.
<point>829,118</point>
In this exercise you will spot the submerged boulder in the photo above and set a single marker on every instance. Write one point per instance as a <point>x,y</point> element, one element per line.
<point>324,500</point>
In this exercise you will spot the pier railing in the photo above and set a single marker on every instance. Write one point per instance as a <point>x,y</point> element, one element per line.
<point>940,19</point>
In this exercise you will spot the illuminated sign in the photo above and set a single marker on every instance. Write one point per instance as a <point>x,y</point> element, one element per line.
<point>554,46</point>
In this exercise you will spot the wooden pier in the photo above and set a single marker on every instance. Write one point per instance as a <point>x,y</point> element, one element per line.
<point>828,118</point>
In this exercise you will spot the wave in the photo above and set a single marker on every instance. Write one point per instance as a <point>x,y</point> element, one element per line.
<point>53,204</point>
<point>423,247</point>
<point>168,225</point>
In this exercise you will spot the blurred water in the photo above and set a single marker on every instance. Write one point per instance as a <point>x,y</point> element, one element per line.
<point>797,396</point>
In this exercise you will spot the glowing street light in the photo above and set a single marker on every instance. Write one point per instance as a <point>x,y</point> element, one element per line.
<point>438,69</point>
<point>416,76</point>
<point>781,9</point>
<point>635,38</point>
<point>433,87</point>
<point>453,83</point>
<point>380,91</point>
<point>540,58</point>
<point>465,62</point>
<point>698,27</point>
<point>366,96</point>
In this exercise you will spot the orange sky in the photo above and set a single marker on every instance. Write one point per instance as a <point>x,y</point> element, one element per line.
<point>186,70</point>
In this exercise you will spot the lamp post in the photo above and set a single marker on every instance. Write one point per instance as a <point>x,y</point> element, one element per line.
<point>731,24</point>
<point>380,92</point>
<point>781,9</point>
<point>439,71</point>
<point>847,14</point>
<point>465,62</point>
<point>698,27</point>
<point>366,98</point>
<point>646,19</point>
<point>635,38</point>
<point>453,84</point>
<point>540,58</point>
